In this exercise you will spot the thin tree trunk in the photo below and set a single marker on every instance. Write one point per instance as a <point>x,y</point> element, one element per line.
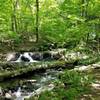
<point>13,16</point>
<point>12,24</point>
<point>84,14</point>
<point>37,20</point>
<point>84,8</point>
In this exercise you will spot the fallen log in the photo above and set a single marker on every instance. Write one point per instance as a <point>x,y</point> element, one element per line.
<point>10,70</point>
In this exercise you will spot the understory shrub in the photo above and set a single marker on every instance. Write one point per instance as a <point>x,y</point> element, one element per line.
<point>68,86</point>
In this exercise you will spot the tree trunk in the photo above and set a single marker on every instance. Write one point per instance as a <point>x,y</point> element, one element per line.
<point>84,8</point>
<point>84,14</point>
<point>13,16</point>
<point>12,24</point>
<point>37,20</point>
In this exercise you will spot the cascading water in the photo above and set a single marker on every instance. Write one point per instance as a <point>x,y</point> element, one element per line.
<point>35,83</point>
<point>26,87</point>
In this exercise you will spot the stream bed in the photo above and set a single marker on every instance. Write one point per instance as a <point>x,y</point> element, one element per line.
<point>33,83</point>
<point>27,86</point>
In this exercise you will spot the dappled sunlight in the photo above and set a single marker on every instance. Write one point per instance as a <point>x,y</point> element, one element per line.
<point>49,49</point>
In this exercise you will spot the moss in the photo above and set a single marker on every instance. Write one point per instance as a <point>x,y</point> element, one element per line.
<point>16,69</point>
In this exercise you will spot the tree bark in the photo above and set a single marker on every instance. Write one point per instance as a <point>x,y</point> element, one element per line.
<point>37,20</point>
<point>13,16</point>
<point>84,8</point>
<point>84,14</point>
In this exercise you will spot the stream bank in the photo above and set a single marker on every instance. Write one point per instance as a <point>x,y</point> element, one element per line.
<point>45,71</point>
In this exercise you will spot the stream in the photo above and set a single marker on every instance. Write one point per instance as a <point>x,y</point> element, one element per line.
<point>29,85</point>
<point>25,87</point>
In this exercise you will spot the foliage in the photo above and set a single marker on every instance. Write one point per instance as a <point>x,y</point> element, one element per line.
<point>69,86</point>
<point>60,21</point>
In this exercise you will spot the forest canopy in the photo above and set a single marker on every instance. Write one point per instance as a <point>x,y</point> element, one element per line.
<point>58,21</point>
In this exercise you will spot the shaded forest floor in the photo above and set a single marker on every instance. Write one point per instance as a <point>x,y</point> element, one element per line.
<point>25,46</point>
<point>94,93</point>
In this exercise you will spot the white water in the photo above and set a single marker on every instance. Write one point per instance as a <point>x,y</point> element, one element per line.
<point>34,84</point>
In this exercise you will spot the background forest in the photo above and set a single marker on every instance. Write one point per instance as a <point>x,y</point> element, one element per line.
<point>64,22</point>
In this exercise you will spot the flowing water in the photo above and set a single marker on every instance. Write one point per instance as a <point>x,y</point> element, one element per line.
<point>24,87</point>
<point>29,85</point>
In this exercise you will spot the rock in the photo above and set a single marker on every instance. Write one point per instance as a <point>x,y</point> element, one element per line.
<point>50,87</point>
<point>96,85</point>
<point>56,56</point>
<point>27,57</point>
<point>96,65</point>
<point>36,56</point>
<point>32,81</point>
<point>47,56</point>
<point>83,68</point>
<point>8,96</point>
<point>24,59</point>
<point>1,92</point>
<point>12,56</point>
<point>75,63</point>
<point>20,57</point>
<point>17,55</point>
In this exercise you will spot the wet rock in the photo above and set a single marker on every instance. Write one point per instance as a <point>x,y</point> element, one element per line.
<point>20,57</point>
<point>27,57</point>
<point>23,58</point>
<point>75,63</point>
<point>36,56</point>
<point>17,55</point>
<point>47,56</point>
<point>56,56</point>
